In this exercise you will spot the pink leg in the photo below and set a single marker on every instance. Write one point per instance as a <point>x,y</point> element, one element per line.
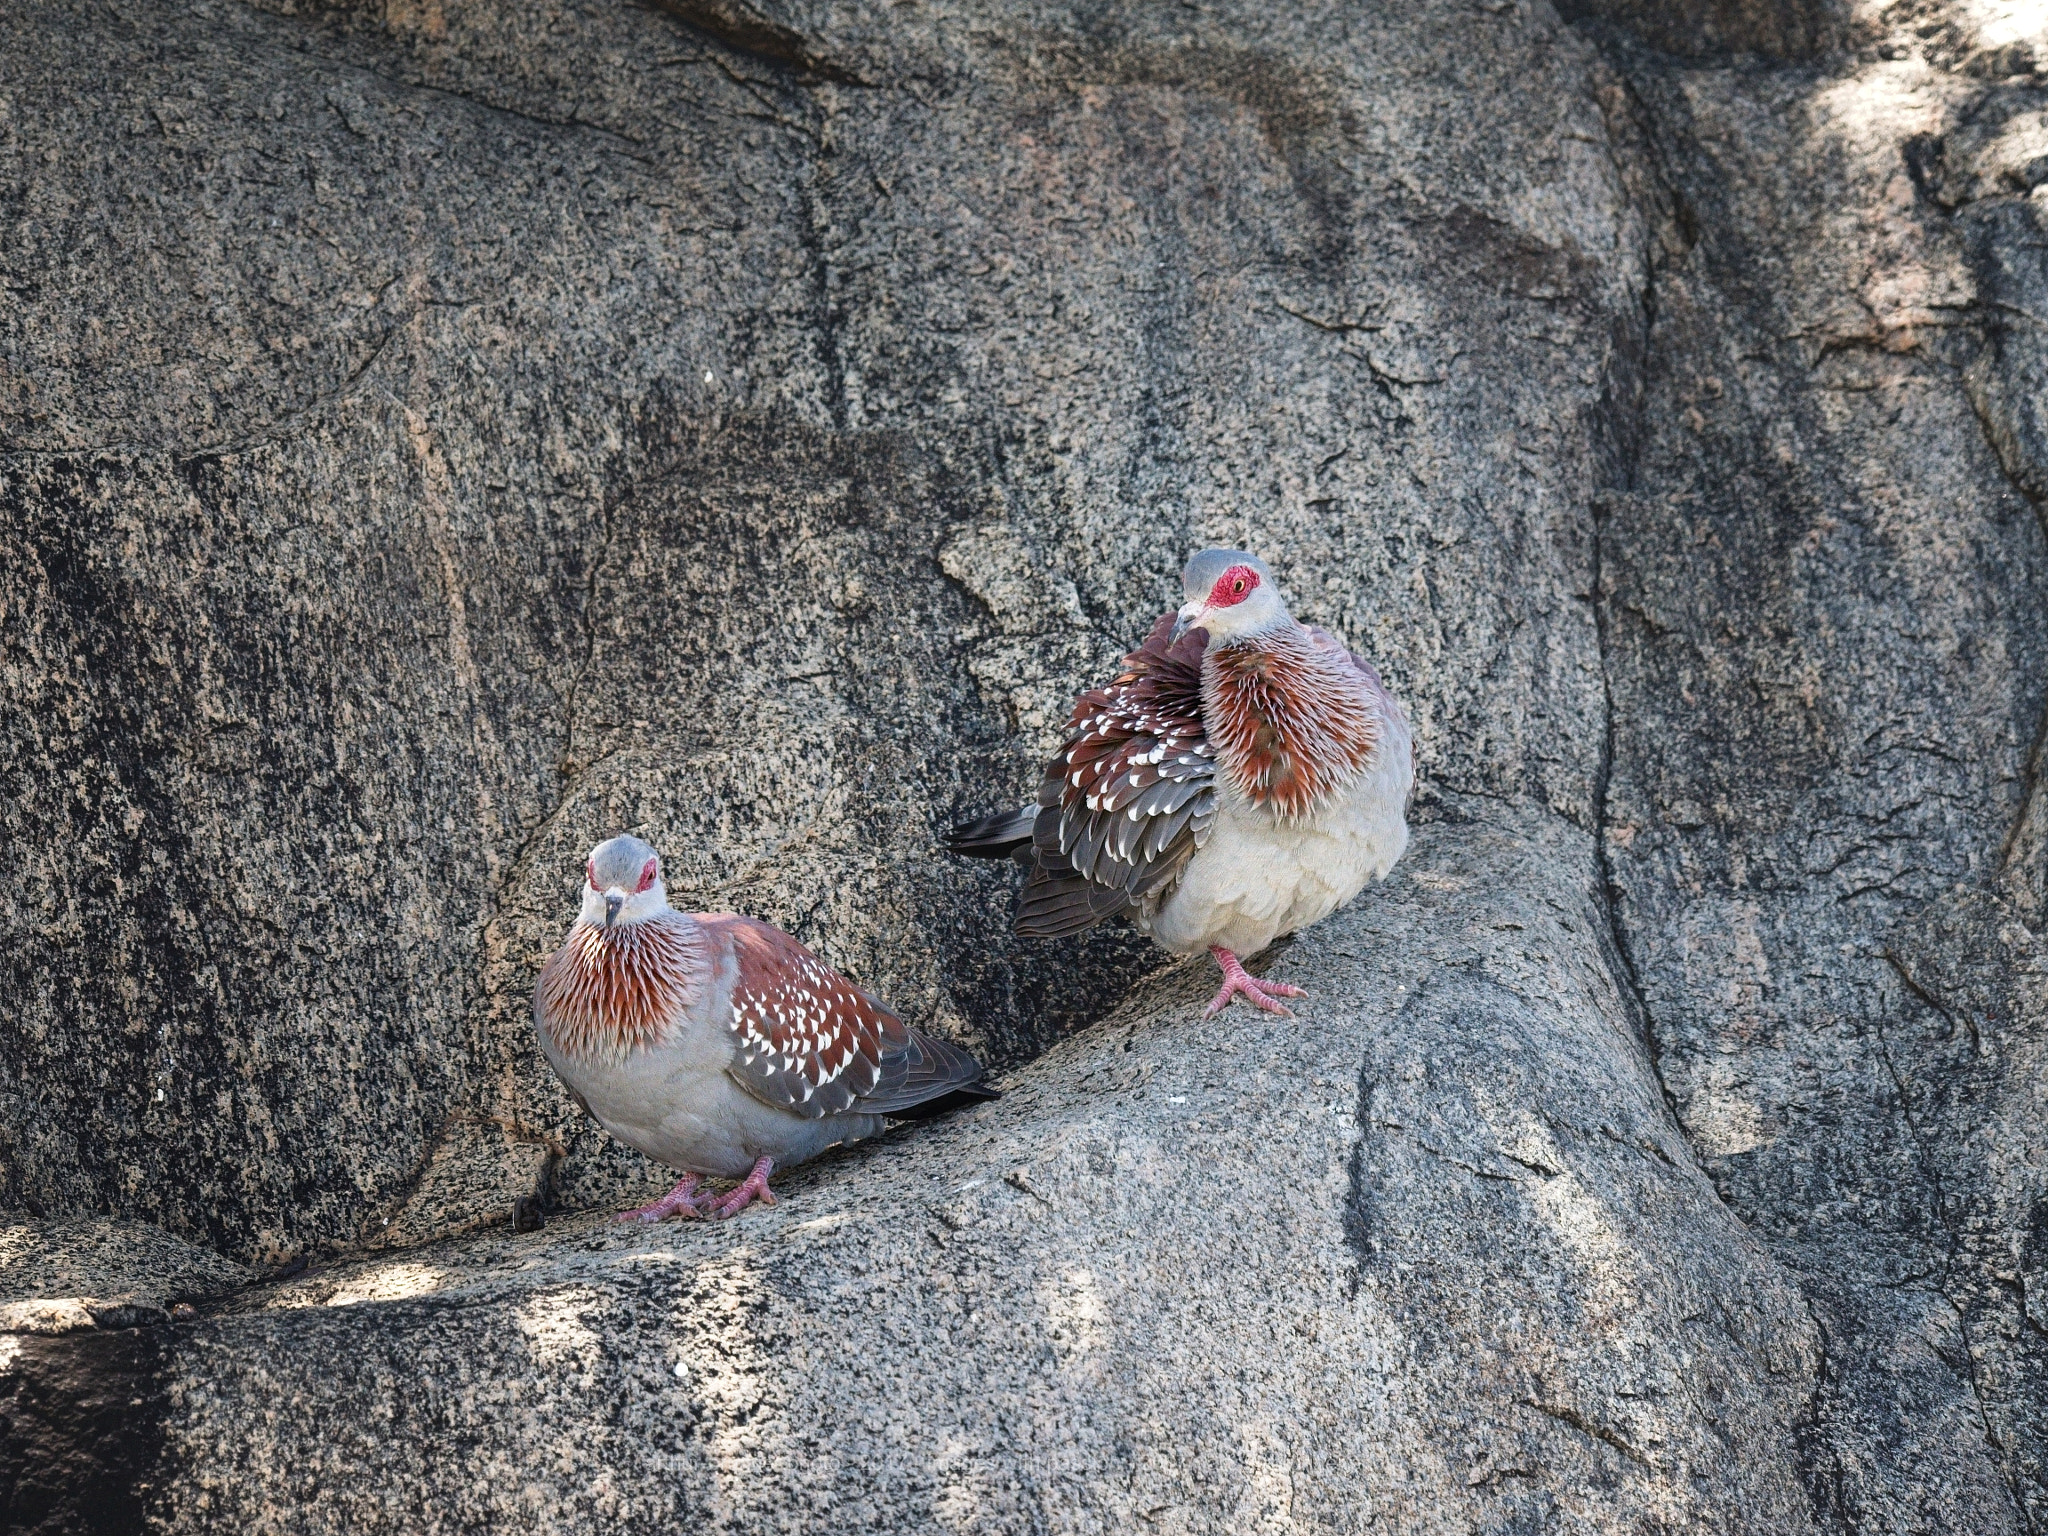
<point>1262,994</point>
<point>753,1187</point>
<point>680,1201</point>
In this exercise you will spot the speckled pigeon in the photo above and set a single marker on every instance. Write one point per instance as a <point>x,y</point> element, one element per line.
<point>719,1045</point>
<point>1240,778</point>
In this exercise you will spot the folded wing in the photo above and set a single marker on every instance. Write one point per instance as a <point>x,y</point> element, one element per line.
<point>813,1043</point>
<point>1126,803</point>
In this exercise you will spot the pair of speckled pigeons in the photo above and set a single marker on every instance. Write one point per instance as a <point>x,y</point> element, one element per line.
<point>1241,777</point>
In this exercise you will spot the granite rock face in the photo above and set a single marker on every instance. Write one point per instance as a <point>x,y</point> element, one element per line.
<point>436,436</point>
<point>1829,639</point>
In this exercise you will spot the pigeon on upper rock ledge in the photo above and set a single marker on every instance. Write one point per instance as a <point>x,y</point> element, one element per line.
<point>720,1045</point>
<point>1240,778</point>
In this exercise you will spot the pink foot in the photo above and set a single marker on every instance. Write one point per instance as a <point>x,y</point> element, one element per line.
<point>1236,981</point>
<point>683,1200</point>
<point>753,1187</point>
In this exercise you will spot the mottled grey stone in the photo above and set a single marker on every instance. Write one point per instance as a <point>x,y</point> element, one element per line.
<point>1780,29</point>
<point>1826,606</point>
<point>86,1272</point>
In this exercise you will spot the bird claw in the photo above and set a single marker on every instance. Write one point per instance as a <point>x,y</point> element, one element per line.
<point>682,1201</point>
<point>1238,982</point>
<point>750,1190</point>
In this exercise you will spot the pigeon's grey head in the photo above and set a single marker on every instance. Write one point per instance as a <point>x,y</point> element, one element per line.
<point>623,883</point>
<point>1230,594</point>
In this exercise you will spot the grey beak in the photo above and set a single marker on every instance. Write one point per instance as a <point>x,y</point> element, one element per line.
<point>612,902</point>
<point>1183,621</point>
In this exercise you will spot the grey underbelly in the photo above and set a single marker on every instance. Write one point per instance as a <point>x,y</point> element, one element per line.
<point>725,1136</point>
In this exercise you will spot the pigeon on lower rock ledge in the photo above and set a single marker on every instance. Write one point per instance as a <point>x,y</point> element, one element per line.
<point>719,1045</point>
<point>1240,778</point>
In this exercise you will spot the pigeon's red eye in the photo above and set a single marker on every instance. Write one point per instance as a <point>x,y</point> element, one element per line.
<point>590,873</point>
<point>647,875</point>
<point>1233,586</point>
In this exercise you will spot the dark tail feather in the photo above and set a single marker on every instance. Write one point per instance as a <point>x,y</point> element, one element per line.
<point>1055,901</point>
<point>994,837</point>
<point>937,1077</point>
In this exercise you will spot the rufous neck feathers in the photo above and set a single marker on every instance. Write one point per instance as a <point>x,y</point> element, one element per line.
<point>1292,720</point>
<point>609,992</point>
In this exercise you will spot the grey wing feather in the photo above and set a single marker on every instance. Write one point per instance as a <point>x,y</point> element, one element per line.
<point>927,1070</point>
<point>1056,904</point>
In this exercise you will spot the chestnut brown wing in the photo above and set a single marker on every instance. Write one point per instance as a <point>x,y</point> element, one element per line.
<point>813,1043</point>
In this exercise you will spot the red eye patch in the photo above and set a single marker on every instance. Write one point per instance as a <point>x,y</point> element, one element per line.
<point>1233,586</point>
<point>590,872</point>
<point>647,875</point>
